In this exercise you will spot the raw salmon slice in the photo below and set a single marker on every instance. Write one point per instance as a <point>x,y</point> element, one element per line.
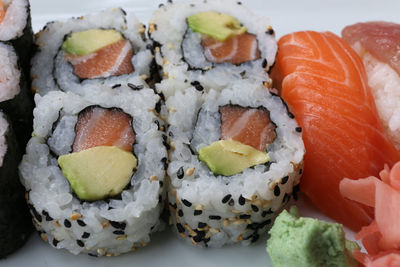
<point>2,11</point>
<point>379,38</point>
<point>324,82</point>
<point>99,126</point>
<point>250,126</point>
<point>112,60</point>
<point>236,49</point>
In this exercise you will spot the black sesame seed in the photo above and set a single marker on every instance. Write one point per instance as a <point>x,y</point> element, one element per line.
<point>271,31</point>
<point>242,200</point>
<point>159,198</point>
<point>252,226</point>
<point>290,114</point>
<point>180,213</point>
<point>239,3</point>
<point>118,225</point>
<point>206,240</point>
<point>264,223</point>
<point>118,232</point>
<point>296,189</point>
<point>173,205</point>
<point>165,162</point>
<point>300,171</point>
<point>85,235</point>
<point>194,83</point>
<point>158,124</point>
<point>254,208</point>
<point>214,217</point>
<point>149,46</point>
<point>231,202</point>
<point>270,211</point>
<point>158,107</point>
<point>161,183</point>
<point>243,73</point>
<point>160,5</point>
<point>80,243</point>
<point>197,238</point>
<point>164,137</point>
<point>37,216</point>
<point>226,198</point>
<point>199,87</point>
<point>180,173</point>
<point>277,191</point>
<point>201,225</point>
<point>264,213</point>
<point>92,255</point>
<point>286,198</point>
<point>180,228</point>
<point>55,242</point>
<point>169,1</point>
<point>67,223</point>
<point>135,87</point>
<point>197,212</point>
<point>244,216</point>
<point>48,217</point>
<point>116,85</point>
<point>167,146</point>
<point>81,223</point>
<point>298,129</point>
<point>171,134</point>
<point>185,81</point>
<point>264,63</point>
<point>284,180</point>
<point>186,202</point>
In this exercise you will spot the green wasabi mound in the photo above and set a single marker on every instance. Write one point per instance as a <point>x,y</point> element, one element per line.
<point>86,42</point>
<point>307,242</point>
<point>228,157</point>
<point>99,172</point>
<point>216,25</point>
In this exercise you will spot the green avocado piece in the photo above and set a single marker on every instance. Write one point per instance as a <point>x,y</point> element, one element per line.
<point>228,157</point>
<point>306,242</point>
<point>99,172</point>
<point>214,24</point>
<point>87,42</point>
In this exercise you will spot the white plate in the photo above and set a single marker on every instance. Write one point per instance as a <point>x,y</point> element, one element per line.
<point>165,249</point>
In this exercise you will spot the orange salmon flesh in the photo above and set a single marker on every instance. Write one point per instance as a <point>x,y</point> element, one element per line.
<point>2,12</point>
<point>250,126</point>
<point>112,60</point>
<point>236,49</point>
<point>99,126</point>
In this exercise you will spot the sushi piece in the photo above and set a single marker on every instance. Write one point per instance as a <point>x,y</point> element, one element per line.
<point>105,48</point>
<point>15,222</point>
<point>16,29</point>
<point>378,45</point>
<point>15,97</point>
<point>94,169</point>
<point>225,187</point>
<point>211,44</point>
<point>325,84</point>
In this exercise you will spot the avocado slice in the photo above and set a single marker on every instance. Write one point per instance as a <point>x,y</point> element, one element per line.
<point>214,24</point>
<point>87,42</point>
<point>99,172</point>
<point>228,157</point>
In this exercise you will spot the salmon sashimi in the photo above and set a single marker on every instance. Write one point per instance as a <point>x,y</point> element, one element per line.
<point>99,126</point>
<point>381,39</point>
<point>324,82</point>
<point>112,60</point>
<point>2,11</point>
<point>250,126</point>
<point>237,49</point>
<point>381,239</point>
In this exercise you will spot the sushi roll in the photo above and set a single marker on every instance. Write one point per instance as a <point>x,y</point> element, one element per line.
<point>15,222</point>
<point>107,48</point>
<point>94,169</point>
<point>15,96</point>
<point>16,29</point>
<point>236,159</point>
<point>210,44</point>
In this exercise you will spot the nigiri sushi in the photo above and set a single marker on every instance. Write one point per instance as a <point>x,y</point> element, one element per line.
<point>378,44</point>
<point>324,82</point>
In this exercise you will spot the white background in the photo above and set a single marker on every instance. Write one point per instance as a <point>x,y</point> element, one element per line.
<point>165,249</point>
